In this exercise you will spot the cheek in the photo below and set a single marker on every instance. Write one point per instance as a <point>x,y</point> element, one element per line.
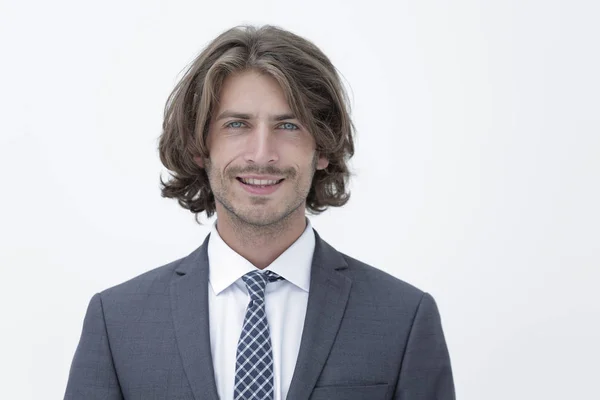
<point>300,151</point>
<point>222,155</point>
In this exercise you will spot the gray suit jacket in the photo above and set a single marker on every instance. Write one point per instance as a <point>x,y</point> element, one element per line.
<point>367,335</point>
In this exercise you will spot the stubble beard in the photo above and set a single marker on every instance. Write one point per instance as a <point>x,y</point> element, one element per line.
<point>264,221</point>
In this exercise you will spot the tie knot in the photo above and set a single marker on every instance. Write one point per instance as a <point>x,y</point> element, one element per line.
<point>256,282</point>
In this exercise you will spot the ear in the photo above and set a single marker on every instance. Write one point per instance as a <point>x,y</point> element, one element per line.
<point>322,163</point>
<point>199,161</point>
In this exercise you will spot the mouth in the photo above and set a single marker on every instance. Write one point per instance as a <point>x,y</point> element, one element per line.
<point>260,186</point>
<point>259,182</point>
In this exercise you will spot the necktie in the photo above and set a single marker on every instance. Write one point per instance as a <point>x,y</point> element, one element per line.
<point>254,361</point>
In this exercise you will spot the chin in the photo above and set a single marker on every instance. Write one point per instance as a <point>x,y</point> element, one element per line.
<point>259,219</point>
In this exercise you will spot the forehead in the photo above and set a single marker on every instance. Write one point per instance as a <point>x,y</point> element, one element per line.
<point>252,91</point>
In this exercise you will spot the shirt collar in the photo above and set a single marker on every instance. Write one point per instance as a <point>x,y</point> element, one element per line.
<point>294,264</point>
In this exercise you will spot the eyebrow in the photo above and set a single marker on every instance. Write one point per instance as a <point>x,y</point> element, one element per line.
<point>234,114</point>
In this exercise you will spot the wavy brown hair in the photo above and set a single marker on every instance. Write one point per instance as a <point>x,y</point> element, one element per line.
<point>312,88</point>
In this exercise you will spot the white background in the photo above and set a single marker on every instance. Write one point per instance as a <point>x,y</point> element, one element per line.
<point>476,171</point>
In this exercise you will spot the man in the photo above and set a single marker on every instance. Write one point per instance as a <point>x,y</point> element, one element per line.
<point>258,131</point>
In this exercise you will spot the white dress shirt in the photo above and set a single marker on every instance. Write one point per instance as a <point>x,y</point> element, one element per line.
<point>285,305</point>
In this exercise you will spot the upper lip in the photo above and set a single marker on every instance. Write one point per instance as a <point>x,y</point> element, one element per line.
<point>262,178</point>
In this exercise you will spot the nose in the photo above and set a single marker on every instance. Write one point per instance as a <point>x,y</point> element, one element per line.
<point>261,147</point>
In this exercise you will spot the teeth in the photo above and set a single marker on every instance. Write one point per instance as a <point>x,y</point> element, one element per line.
<point>259,182</point>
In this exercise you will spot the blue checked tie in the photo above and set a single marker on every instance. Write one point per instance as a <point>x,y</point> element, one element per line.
<point>254,362</point>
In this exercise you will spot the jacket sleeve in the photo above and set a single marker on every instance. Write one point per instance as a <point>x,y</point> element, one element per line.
<point>92,374</point>
<point>426,373</point>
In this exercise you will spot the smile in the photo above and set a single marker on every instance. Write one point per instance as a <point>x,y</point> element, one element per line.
<point>260,186</point>
<point>260,182</point>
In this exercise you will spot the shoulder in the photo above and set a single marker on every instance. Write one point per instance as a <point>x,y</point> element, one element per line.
<point>152,282</point>
<point>157,281</point>
<point>371,285</point>
<point>376,286</point>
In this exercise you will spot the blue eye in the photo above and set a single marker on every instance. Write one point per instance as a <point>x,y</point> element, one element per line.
<point>235,124</point>
<point>289,126</point>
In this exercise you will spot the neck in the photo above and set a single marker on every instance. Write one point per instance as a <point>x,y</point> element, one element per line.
<point>260,245</point>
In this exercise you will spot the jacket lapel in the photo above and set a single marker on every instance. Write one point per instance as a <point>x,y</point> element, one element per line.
<point>189,305</point>
<point>327,298</point>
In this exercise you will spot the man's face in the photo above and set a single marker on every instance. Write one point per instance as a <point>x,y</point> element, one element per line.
<point>261,159</point>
